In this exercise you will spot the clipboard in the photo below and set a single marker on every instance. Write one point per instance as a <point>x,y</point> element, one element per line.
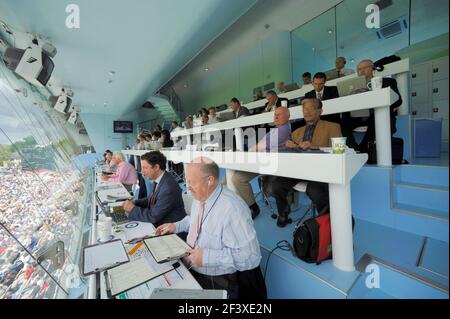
<point>131,275</point>
<point>167,247</point>
<point>112,252</point>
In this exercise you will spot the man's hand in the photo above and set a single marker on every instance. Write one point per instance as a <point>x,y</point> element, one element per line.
<point>128,206</point>
<point>291,144</point>
<point>165,229</point>
<point>105,177</point>
<point>196,257</point>
<point>305,145</point>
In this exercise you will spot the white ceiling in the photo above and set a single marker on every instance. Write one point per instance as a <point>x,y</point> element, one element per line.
<point>145,42</point>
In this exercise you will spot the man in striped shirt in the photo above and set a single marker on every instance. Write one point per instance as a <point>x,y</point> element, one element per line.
<point>225,251</point>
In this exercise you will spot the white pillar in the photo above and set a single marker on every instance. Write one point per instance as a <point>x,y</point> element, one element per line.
<point>341,226</point>
<point>403,87</point>
<point>239,135</point>
<point>229,174</point>
<point>383,136</point>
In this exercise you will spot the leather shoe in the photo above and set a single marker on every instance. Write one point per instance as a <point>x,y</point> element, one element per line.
<point>255,211</point>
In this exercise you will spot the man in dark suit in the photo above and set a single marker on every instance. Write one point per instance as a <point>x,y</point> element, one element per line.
<point>366,68</point>
<point>165,205</point>
<point>238,109</point>
<point>322,93</point>
<point>273,101</point>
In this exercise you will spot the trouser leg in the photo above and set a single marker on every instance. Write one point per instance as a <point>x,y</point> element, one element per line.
<point>318,192</point>
<point>241,181</point>
<point>280,189</point>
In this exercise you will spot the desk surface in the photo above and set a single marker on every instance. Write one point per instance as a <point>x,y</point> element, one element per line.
<point>328,168</point>
<point>173,279</point>
<point>356,102</point>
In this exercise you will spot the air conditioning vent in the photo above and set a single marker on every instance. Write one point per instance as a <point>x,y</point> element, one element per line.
<point>392,29</point>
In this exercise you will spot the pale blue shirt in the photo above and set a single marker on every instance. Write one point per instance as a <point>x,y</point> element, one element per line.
<point>227,234</point>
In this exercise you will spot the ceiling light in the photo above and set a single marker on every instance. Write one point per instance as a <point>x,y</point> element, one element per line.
<point>206,69</point>
<point>185,86</point>
<point>330,31</point>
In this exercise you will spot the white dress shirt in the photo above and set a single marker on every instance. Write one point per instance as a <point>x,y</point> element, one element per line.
<point>226,234</point>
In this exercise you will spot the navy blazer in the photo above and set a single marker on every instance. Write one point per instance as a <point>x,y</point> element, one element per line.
<point>168,206</point>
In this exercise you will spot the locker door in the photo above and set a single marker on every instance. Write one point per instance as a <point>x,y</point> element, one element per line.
<point>440,69</point>
<point>420,73</point>
<point>439,90</point>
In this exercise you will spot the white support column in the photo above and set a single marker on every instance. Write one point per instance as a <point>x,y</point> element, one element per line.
<point>229,174</point>
<point>403,87</point>
<point>383,136</point>
<point>341,226</point>
<point>239,135</point>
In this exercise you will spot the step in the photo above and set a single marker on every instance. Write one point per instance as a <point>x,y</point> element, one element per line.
<point>432,176</point>
<point>423,197</point>
<point>394,281</point>
<point>434,257</point>
<point>424,212</point>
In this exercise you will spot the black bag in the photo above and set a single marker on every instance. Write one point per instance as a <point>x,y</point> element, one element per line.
<point>379,65</point>
<point>397,151</point>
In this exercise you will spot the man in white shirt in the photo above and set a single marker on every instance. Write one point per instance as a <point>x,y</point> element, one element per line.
<point>340,67</point>
<point>226,253</point>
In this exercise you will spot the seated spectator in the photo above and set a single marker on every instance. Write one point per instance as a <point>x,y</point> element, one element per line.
<point>272,141</point>
<point>273,101</point>
<point>306,78</point>
<point>188,122</point>
<point>316,133</point>
<point>323,92</point>
<point>213,118</point>
<point>281,88</point>
<point>340,67</point>
<point>165,139</point>
<point>125,172</point>
<point>165,205</point>
<point>238,110</point>
<point>205,119</point>
<point>258,95</point>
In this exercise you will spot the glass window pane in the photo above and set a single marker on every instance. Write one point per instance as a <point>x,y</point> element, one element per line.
<point>429,18</point>
<point>314,46</point>
<point>357,42</point>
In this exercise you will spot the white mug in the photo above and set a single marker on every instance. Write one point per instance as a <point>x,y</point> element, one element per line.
<point>376,83</point>
<point>284,103</point>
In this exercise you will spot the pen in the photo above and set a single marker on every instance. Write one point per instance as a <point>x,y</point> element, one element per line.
<point>178,273</point>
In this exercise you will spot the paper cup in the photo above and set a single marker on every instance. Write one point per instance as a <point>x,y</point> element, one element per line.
<point>338,145</point>
<point>284,103</point>
<point>376,83</point>
<point>104,227</point>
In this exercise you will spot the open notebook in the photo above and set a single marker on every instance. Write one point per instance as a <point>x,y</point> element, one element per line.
<point>131,275</point>
<point>167,247</point>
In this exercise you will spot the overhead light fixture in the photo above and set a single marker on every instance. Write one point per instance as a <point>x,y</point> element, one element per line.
<point>206,69</point>
<point>330,31</point>
<point>185,86</point>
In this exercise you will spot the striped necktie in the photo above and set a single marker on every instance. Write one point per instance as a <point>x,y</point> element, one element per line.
<point>193,233</point>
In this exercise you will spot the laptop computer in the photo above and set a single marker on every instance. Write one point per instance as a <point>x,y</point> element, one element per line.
<point>117,214</point>
<point>291,87</point>
<point>331,74</point>
<point>352,86</point>
<point>172,293</point>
